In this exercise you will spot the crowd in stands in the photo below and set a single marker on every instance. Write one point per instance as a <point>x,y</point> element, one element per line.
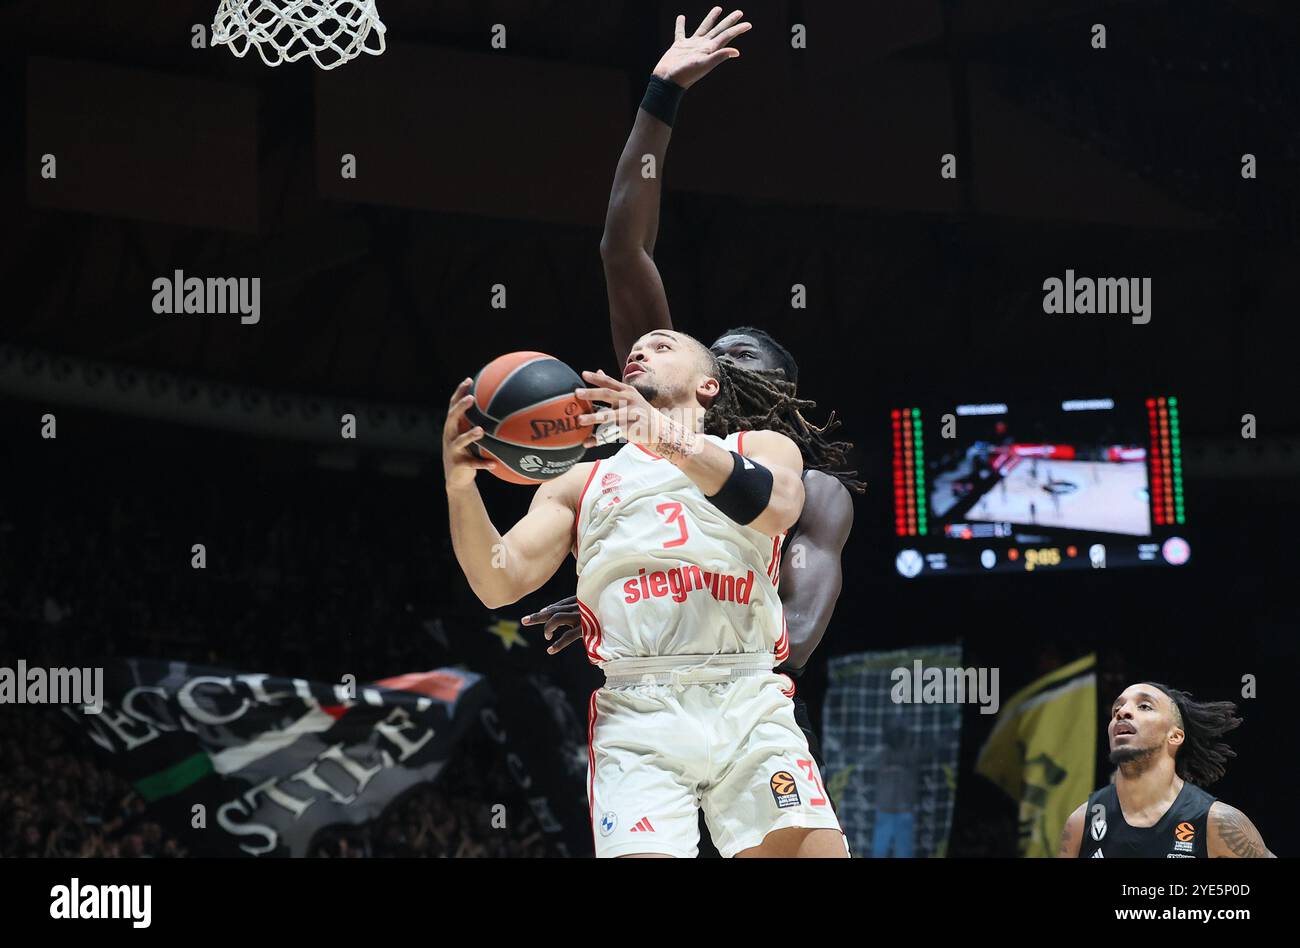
<point>292,585</point>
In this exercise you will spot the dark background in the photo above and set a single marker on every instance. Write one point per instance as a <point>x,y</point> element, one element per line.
<point>479,166</point>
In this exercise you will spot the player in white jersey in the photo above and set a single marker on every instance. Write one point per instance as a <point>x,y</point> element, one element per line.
<point>677,538</point>
<point>655,559</point>
<point>753,361</point>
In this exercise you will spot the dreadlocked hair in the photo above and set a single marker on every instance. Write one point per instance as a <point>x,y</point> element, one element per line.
<point>766,400</point>
<point>1201,759</point>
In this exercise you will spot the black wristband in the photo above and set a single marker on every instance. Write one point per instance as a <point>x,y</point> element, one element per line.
<point>662,96</point>
<point>746,493</point>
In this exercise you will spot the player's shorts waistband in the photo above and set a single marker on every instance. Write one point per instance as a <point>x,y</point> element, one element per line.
<point>685,669</point>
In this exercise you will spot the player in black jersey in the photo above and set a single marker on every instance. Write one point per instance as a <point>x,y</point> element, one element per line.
<point>1165,747</point>
<point>811,575</point>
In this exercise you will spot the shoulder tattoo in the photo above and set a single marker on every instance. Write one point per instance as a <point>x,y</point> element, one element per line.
<point>1238,834</point>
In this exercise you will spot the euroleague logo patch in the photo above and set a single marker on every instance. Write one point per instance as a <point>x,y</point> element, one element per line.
<point>784,790</point>
<point>1185,834</point>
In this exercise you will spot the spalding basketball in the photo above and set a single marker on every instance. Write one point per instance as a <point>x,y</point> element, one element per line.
<point>525,404</point>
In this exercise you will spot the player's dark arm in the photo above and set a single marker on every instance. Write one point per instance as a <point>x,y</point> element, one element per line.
<point>1072,833</point>
<point>637,301</point>
<point>811,576</point>
<point>1233,835</point>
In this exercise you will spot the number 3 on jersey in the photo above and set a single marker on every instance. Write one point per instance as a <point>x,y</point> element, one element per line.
<point>807,767</point>
<point>673,514</point>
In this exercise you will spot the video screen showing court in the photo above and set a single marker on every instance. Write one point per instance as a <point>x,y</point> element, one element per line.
<point>1032,484</point>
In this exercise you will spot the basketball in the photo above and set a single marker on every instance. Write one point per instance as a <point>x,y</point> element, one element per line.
<point>525,404</point>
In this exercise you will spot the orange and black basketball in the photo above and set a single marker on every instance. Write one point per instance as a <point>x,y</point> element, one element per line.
<point>525,404</point>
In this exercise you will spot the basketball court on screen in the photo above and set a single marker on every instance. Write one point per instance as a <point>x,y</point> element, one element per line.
<point>1080,495</point>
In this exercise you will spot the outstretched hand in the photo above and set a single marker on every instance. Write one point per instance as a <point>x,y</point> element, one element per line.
<point>693,57</point>
<point>562,616</point>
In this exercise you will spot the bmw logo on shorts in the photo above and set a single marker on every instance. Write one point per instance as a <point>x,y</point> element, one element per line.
<point>607,823</point>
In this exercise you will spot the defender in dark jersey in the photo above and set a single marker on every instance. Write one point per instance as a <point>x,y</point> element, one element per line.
<point>811,577</point>
<point>1165,747</point>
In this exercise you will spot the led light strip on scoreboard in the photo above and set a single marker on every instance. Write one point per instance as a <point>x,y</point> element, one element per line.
<point>909,473</point>
<point>1166,472</point>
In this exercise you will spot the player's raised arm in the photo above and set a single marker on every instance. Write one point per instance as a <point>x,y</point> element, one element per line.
<point>503,569</point>
<point>637,301</point>
<point>1233,836</point>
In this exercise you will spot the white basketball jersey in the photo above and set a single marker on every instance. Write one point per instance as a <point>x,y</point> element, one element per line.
<point>661,571</point>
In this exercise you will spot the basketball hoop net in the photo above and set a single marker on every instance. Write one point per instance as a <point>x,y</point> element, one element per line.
<point>331,32</point>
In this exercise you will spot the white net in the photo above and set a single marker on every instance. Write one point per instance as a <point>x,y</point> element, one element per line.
<point>331,32</point>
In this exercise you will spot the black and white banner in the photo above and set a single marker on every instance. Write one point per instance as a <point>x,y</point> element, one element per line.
<point>254,764</point>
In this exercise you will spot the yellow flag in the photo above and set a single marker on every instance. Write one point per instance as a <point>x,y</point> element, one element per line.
<point>1043,751</point>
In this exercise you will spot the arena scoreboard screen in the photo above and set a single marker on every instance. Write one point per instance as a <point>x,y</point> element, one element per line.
<point>1034,486</point>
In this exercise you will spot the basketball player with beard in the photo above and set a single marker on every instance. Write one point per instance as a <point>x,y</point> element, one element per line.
<point>761,371</point>
<point>676,538</point>
<point>1166,748</point>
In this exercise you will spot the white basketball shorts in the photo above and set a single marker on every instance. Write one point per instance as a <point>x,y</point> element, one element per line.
<point>658,753</point>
